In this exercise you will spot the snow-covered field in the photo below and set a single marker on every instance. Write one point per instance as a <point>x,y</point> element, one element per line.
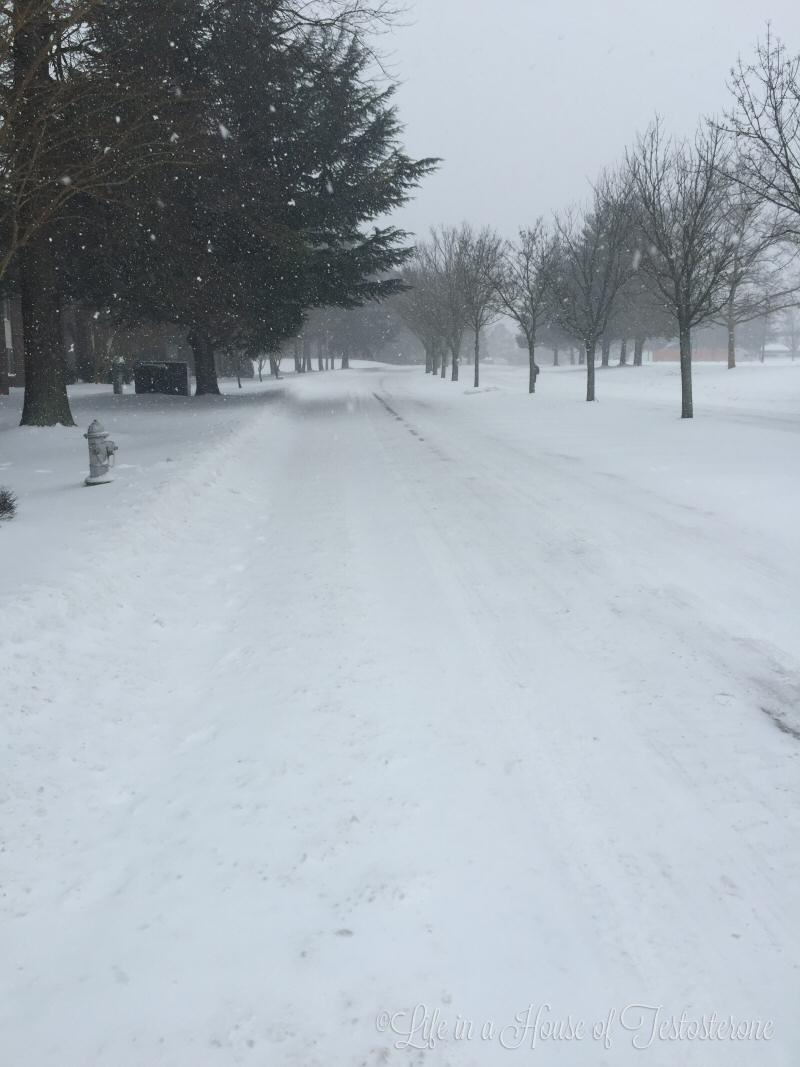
<point>364,713</point>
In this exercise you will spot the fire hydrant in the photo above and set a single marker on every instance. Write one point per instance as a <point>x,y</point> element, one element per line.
<point>101,454</point>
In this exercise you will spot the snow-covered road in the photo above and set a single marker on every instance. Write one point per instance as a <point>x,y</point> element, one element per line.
<point>403,711</point>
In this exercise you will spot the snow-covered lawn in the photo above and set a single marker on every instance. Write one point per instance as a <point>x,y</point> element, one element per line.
<point>363,703</point>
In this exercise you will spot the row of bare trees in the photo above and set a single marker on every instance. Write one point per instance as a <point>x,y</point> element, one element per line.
<point>685,232</point>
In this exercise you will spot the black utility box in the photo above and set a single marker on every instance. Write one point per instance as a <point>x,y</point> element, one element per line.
<point>162,377</point>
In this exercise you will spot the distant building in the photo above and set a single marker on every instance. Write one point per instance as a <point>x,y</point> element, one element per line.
<point>777,350</point>
<point>700,354</point>
<point>714,353</point>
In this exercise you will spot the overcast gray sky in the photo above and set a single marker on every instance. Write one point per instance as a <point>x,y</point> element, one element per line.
<point>527,100</point>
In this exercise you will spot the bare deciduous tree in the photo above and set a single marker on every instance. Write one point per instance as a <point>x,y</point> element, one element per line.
<point>765,123</point>
<point>594,260</point>
<point>681,193</point>
<point>423,309</point>
<point>443,256</point>
<point>524,285</point>
<point>757,281</point>
<point>480,262</point>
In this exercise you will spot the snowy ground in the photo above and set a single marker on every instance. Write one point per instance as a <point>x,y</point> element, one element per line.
<point>363,706</point>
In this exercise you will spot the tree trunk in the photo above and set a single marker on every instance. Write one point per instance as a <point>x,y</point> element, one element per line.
<point>345,360</point>
<point>533,370</point>
<point>623,352</point>
<point>428,359</point>
<point>274,367</point>
<point>730,323</point>
<point>205,368</point>
<point>555,357</point>
<point>477,380</point>
<point>638,351</point>
<point>581,357</point>
<point>46,401</point>
<point>444,365</point>
<point>687,406</point>
<point>605,352</point>
<point>591,347</point>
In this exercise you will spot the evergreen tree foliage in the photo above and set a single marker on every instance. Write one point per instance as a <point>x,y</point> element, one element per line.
<point>293,154</point>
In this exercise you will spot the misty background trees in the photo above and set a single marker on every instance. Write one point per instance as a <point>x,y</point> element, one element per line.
<point>686,233</point>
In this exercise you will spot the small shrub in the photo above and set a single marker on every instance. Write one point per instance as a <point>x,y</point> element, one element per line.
<point>8,504</point>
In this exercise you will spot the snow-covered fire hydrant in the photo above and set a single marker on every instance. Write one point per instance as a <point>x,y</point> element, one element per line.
<point>101,454</point>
